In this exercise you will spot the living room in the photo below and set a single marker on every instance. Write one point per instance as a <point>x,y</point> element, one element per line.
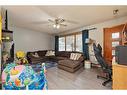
<point>64,41</point>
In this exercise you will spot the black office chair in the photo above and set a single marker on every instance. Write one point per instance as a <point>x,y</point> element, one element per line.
<point>106,69</point>
<point>100,49</point>
<point>100,53</point>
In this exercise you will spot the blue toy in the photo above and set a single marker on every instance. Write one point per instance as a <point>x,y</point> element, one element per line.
<point>29,79</point>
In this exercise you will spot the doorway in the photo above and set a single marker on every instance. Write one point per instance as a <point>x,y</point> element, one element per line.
<point>112,38</point>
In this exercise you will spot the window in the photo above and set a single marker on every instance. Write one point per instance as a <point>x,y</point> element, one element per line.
<point>115,35</point>
<point>71,42</point>
<point>113,52</point>
<point>116,43</point>
<point>62,44</point>
<point>79,42</point>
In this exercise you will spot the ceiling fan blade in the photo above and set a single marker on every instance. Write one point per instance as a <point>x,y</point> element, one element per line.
<point>63,25</point>
<point>51,21</point>
<point>70,21</point>
<point>61,20</point>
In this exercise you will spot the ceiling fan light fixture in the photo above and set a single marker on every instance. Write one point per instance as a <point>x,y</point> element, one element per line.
<point>54,25</point>
<point>57,23</point>
<point>57,26</point>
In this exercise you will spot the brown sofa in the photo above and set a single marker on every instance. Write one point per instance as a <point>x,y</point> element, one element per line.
<point>66,63</point>
<point>70,65</point>
<point>61,57</point>
<point>42,58</point>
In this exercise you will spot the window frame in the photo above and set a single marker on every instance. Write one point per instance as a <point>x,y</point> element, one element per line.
<point>59,44</point>
<point>72,34</point>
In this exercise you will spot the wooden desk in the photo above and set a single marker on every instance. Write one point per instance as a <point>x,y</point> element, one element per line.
<point>119,77</point>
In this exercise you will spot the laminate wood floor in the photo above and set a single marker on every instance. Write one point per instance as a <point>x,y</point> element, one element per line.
<point>83,79</point>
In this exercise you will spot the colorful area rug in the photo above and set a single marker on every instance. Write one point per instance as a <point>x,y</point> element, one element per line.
<point>48,64</point>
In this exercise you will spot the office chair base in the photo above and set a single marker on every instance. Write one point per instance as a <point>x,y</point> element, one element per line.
<point>107,81</point>
<point>103,77</point>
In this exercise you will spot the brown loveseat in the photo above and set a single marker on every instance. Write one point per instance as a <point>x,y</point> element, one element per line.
<point>61,57</point>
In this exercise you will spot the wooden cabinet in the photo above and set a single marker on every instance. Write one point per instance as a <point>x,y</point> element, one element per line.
<point>119,77</point>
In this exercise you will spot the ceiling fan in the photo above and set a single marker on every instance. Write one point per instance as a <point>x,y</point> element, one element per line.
<point>57,22</point>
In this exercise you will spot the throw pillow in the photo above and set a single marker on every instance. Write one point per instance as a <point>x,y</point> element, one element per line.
<point>78,56</point>
<point>50,53</point>
<point>72,56</point>
<point>47,53</point>
<point>35,54</point>
<point>75,56</point>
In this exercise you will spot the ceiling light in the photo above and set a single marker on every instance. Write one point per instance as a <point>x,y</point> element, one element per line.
<point>54,25</point>
<point>58,26</point>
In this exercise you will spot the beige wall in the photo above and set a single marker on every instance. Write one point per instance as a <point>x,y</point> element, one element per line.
<point>28,40</point>
<point>97,34</point>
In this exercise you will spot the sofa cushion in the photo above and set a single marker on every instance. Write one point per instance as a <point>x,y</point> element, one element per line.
<point>36,60</point>
<point>61,58</point>
<point>72,70</point>
<point>69,63</point>
<point>63,54</point>
<point>42,53</point>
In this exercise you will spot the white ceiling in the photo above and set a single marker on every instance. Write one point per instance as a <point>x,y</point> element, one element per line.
<point>28,16</point>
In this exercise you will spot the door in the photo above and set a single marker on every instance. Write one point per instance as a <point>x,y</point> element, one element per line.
<point>112,38</point>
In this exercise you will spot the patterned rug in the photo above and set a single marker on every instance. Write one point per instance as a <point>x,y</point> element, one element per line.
<point>48,64</point>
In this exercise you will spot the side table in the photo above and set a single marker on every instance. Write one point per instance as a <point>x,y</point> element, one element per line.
<point>87,64</point>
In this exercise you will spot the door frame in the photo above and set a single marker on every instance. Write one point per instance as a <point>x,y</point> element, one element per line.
<point>104,41</point>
